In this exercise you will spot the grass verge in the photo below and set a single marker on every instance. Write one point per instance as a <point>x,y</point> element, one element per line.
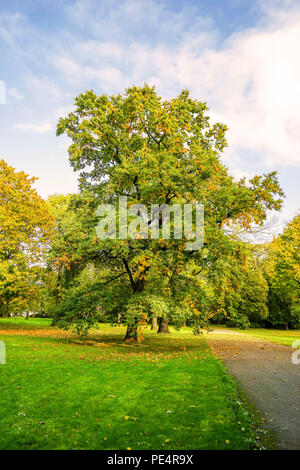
<point>285,337</point>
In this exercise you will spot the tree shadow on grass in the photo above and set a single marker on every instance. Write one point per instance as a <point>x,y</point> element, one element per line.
<point>107,338</point>
<point>151,343</point>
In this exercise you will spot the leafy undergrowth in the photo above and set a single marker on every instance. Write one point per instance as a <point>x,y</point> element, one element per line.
<point>61,392</point>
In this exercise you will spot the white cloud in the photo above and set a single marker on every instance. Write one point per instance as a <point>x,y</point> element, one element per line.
<point>41,128</point>
<point>93,50</point>
<point>251,82</point>
<point>12,26</point>
<point>77,73</point>
<point>45,88</point>
<point>15,94</point>
<point>132,19</point>
<point>254,83</point>
<point>238,173</point>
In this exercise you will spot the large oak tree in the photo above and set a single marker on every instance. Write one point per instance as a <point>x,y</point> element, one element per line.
<point>156,151</point>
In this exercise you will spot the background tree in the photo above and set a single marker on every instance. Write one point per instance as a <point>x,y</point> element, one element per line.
<point>240,289</point>
<point>282,270</point>
<point>72,238</point>
<point>25,230</point>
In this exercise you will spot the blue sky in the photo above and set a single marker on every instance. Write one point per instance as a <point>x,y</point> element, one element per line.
<point>241,57</point>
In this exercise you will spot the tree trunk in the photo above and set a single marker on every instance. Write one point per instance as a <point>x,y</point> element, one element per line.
<point>59,286</point>
<point>131,333</point>
<point>27,315</point>
<point>163,325</point>
<point>137,286</point>
<point>154,323</point>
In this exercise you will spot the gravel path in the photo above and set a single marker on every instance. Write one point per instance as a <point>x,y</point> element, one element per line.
<point>268,377</point>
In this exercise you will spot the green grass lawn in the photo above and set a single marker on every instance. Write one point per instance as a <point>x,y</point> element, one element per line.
<point>61,392</point>
<point>286,337</point>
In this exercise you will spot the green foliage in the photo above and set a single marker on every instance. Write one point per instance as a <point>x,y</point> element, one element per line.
<point>254,295</point>
<point>295,316</point>
<point>78,309</point>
